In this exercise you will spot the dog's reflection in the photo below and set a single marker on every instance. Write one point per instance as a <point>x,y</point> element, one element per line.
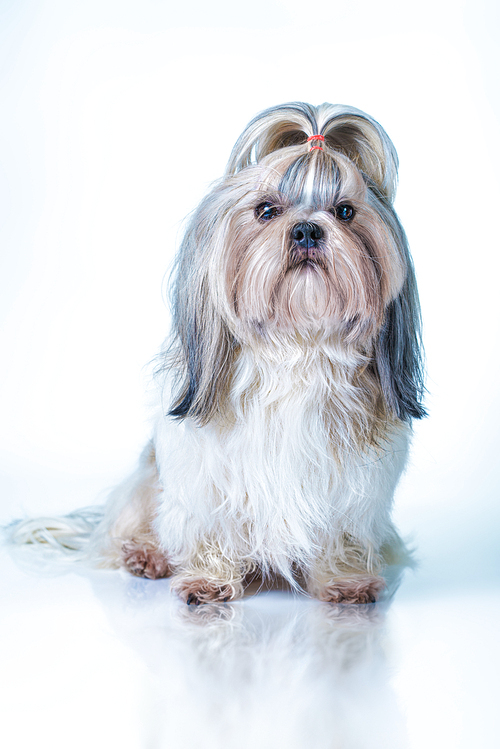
<point>274,670</point>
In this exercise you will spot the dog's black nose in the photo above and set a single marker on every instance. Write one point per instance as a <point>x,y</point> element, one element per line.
<point>307,234</point>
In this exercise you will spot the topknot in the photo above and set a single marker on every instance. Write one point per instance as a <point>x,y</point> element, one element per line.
<point>345,129</point>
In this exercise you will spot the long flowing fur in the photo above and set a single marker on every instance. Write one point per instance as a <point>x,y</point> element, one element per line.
<point>294,368</point>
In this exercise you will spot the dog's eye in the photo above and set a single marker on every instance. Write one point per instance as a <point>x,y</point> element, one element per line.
<point>268,211</point>
<point>344,212</point>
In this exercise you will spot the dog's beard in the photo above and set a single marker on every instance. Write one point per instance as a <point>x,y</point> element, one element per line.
<point>304,298</point>
<point>339,286</point>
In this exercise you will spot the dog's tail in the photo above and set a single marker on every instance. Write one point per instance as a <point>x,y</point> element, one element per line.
<point>40,543</point>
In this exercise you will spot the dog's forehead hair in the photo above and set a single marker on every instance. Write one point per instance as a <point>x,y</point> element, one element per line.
<point>319,181</point>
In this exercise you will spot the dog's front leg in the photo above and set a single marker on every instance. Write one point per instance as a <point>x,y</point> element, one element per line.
<point>346,573</point>
<point>207,576</point>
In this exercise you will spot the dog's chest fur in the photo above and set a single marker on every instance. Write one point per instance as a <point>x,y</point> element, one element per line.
<point>285,467</point>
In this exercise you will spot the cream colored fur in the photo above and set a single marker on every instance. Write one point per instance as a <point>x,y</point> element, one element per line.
<point>286,390</point>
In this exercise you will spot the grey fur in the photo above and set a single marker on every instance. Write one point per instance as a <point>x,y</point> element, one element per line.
<point>202,349</point>
<point>399,359</point>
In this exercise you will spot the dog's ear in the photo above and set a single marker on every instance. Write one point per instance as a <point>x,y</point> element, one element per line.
<point>398,353</point>
<point>202,350</point>
<point>206,351</point>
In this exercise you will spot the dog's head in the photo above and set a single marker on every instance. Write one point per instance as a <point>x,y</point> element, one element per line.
<point>299,239</point>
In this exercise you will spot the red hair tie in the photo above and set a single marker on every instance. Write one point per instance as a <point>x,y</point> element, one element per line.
<point>316,137</point>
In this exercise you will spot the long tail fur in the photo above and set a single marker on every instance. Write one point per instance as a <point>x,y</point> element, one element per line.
<point>46,540</point>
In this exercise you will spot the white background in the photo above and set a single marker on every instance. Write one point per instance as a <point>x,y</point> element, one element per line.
<point>115,117</point>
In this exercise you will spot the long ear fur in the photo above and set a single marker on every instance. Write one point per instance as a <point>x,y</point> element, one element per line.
<point>398,356</point>
<point>202,349</point>
<point>398,347</point>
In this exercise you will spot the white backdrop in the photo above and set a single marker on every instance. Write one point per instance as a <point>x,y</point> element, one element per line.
<point>117,114</point>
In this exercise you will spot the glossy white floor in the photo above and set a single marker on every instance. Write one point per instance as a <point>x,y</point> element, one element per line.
<point>100,659</point>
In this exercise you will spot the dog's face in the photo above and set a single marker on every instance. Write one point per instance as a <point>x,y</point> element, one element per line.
<point>299,244</point>
<point>305,248</point>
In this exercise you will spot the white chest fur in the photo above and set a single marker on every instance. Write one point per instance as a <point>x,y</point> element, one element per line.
<point>285,468</point>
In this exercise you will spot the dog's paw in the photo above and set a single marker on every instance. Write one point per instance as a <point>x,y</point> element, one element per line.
<point>144,561</point>
<point>196,590</point>
<point>356,589</point>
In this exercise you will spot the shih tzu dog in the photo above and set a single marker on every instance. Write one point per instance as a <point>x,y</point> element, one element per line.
<point>288,385</point>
